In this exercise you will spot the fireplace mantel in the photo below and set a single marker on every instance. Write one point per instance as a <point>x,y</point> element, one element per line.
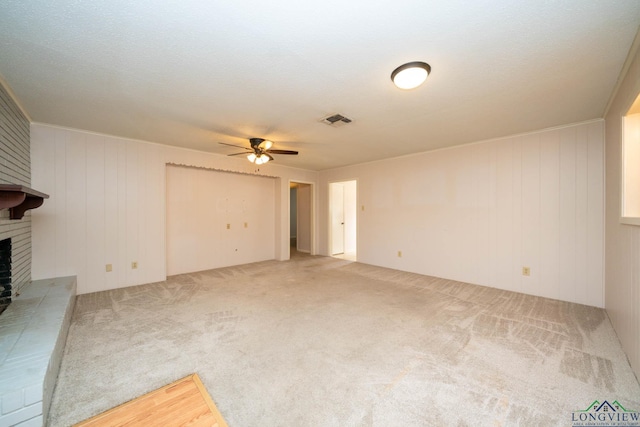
<point>19,199</point>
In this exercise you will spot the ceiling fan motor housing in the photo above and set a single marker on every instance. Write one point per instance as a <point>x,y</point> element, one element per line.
<point>255,142</point>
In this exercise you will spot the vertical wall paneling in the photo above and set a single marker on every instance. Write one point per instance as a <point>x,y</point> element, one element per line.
<point>95,215</point>
<point>595,213</point>
<point>568,197</point>
<point>530,203</point>
<point>548,270</point>
<point>45,228</point>
<point>582,209</point>
<point>120,266</point>
<point>516,219</point>
<point>111,210</point>
<point>152,215</point>
<point>492,222</point>
<point>131,212</point>
<point>485,202</point>
<point>76,204</point>
<point>622,241</point>
<point>59,205</point>
<point>484,211</point>
<point>503,261</point>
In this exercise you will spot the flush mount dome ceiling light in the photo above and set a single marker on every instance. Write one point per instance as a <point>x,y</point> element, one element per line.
<point>410,75</point>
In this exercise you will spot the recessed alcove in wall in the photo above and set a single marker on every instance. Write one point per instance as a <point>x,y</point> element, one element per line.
<point>218,219</point>
<point>631,165</point>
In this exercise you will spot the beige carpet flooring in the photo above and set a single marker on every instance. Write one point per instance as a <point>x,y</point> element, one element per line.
<point>318,341</point>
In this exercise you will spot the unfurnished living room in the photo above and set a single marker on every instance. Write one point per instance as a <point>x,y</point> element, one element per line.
<point>251,213</point>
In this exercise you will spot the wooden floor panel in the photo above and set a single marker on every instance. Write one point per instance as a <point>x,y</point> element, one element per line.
<point>184,402</point>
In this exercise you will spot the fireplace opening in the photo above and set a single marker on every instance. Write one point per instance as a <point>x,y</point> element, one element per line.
<point>5,274</point>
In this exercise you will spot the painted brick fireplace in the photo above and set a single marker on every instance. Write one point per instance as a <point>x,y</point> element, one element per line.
<point>5,273</point>
<point>15,168</point>
<point>35,324</point>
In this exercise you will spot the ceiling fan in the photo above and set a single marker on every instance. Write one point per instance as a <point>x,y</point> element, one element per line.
<point>260,151</point>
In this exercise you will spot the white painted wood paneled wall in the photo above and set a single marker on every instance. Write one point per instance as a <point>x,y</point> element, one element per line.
<point>107,205</point>
<point>479,213</point>
<point>622,247</point>
<point>102,209</point>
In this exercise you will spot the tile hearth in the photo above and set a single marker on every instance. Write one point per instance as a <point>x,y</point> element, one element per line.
<point>33,332</point>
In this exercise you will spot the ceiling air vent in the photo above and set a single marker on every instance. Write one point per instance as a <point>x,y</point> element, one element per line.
<point>336,120</point>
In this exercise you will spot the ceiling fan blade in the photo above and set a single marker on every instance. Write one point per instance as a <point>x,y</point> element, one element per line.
<point>269,156</point>
<point>233,145</point>
<point>238,154</point>
<point>282,151</point>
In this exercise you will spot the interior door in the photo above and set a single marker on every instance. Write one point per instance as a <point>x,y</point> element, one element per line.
<point>337,218</point>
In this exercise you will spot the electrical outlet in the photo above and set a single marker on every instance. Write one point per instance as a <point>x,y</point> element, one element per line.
<point>134,265</point>
<point>526,271</point>
<point>228,226</point>
<point>109,267</point>
<point>246,225</point>
<point>399,254</point>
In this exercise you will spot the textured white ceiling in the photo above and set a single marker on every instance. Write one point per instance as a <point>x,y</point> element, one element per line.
<point>191,73</point>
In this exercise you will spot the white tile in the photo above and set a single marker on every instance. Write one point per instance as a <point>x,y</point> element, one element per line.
<point>33,394</point>
<point>33,422</point>
<point>12,402</point>
<point>36,319</point>
<point>21,415</point>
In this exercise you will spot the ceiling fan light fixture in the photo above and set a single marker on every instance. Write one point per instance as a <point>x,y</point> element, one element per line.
<point>260,151</point>
<point>410,75</point>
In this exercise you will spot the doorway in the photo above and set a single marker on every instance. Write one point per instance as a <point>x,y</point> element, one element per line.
<point>343,219</point>
<point>300,217</point>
